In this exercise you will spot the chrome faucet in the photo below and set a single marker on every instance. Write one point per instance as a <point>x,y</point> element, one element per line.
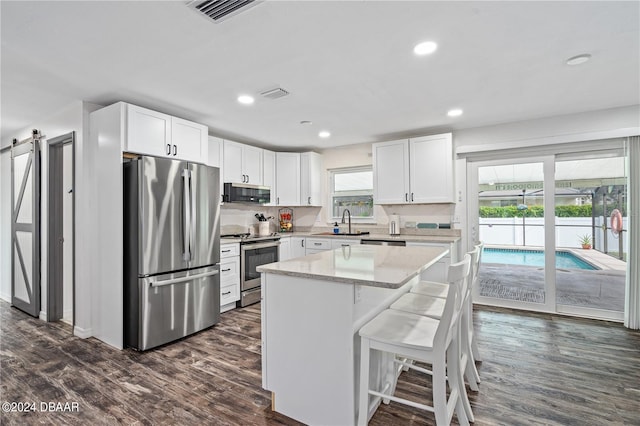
<point>347,211</point>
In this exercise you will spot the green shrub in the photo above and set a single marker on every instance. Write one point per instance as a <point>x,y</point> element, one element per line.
<point>535,211</point>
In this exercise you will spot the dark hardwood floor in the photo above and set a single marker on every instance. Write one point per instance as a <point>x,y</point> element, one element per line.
<point>538,369</point>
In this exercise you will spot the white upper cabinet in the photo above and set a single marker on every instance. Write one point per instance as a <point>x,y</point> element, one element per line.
<point>287,178</point>
<point>242,163</point>
<point>187,139</point>
<point>269,174</point>
<point>214,158</point>
<point>391,172</point>
<point>418,170</point>
<point>214,152</point>
<point>148,132</point>
<point>431,169</point>
<point>153,133</point>
<point>310,178</point>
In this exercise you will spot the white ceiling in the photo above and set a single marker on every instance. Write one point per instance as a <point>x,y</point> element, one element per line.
<point>349,65</point>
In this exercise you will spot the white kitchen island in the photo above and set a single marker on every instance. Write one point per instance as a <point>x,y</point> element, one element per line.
<point>312,309</point>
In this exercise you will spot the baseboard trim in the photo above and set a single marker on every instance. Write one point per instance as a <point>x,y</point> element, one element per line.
<point>43,315</point>
<point>82,333</point>
<point>5,297</point>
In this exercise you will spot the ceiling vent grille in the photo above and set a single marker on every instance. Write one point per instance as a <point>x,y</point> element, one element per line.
<point>276,93</point>
<point>219,10</point>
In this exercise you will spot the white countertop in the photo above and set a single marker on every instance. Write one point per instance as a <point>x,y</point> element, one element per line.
<point>403,237</point>
<point>377,266</point>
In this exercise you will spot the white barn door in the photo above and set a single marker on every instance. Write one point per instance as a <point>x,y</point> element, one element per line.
<point>25,225</point>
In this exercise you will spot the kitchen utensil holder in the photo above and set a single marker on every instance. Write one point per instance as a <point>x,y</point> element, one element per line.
<point>263,228</point>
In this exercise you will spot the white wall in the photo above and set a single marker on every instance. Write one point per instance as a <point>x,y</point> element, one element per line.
<point>71,118</point>
<point>360,155</point>
<point>593,125</point>
<point>561,128</point>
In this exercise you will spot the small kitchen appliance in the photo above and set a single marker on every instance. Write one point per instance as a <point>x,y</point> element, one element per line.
<point>394,224</point>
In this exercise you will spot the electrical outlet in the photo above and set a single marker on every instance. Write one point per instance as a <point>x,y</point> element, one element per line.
<point>409,224</point>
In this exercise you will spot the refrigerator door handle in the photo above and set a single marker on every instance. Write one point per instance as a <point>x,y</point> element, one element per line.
<point>186,232</point>
<point>182,279</point>
<point>193,221</point>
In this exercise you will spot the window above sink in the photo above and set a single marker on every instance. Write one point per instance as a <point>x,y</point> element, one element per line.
<point>352,188</point>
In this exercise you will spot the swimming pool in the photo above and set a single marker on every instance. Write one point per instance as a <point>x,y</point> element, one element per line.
<point>533,258</point>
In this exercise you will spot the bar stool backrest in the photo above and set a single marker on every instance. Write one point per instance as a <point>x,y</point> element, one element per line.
<point>458,277</point>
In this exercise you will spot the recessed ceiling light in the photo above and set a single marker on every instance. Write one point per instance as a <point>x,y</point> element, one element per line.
<point>324,134</point>
<point>454,112</point>
<point>425,48</point>
<point>245,99</point>
<point>580,59</point>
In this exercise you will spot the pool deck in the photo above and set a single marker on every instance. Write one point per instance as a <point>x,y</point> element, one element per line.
<point>599,289</point>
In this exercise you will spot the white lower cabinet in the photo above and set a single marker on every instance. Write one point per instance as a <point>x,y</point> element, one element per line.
<point>284,251</point>
<point>297,247</point>
<point>337,243</point>
<point>316,245</point>
<point>229,276</point>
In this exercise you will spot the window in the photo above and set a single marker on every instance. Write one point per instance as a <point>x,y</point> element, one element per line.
<point>352,189</point>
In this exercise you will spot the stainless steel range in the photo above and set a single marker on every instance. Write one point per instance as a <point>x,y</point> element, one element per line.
<point>254,251</point>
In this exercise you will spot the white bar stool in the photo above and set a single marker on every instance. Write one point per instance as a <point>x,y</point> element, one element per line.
<point>423,339</point>
<point>431,306</point>
<point>435,289</point>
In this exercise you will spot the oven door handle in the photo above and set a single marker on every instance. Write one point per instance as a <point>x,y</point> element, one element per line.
<point>246,247</point>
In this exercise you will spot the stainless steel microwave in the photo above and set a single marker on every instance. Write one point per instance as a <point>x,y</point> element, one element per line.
<point>244,193</point>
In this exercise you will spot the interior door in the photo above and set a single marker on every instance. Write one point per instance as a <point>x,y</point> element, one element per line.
<point>25,226</point>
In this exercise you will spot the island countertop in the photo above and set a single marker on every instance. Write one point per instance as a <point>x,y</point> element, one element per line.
<point>376,266</point>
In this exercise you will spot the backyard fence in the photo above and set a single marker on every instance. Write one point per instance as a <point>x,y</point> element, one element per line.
<point>569,230</point>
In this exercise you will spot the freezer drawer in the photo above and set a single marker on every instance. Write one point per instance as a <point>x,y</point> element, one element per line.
<point>172,306</point>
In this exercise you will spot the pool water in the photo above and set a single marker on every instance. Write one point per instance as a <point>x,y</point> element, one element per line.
<point>564,259</point>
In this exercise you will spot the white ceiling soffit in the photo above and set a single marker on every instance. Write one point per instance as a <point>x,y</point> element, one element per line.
<point>220,10</point>
<point>349,65</point>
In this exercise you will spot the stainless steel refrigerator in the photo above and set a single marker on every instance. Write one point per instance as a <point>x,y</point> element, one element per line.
<point>172,250</point>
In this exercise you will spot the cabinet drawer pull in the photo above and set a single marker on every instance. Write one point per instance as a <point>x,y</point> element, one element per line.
<point>225,270</point>
<point>226,251</point>
<point>247,178</point>
<point>412,196</point>
<point>226,292</point>
<point>406,196</point>
<point>168,149</point>
<point>175,150</point>
<point>317,244</point>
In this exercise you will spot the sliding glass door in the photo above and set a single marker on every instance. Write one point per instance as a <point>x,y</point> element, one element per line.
<point>511,223</point>
<point>590,226</point>
<point>554,229</point>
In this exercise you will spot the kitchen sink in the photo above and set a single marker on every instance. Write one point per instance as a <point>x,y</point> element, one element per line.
<point>343,233</point>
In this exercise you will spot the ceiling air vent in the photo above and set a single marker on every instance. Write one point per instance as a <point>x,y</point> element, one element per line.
<point>219,10</point>
<point>276,93</point>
